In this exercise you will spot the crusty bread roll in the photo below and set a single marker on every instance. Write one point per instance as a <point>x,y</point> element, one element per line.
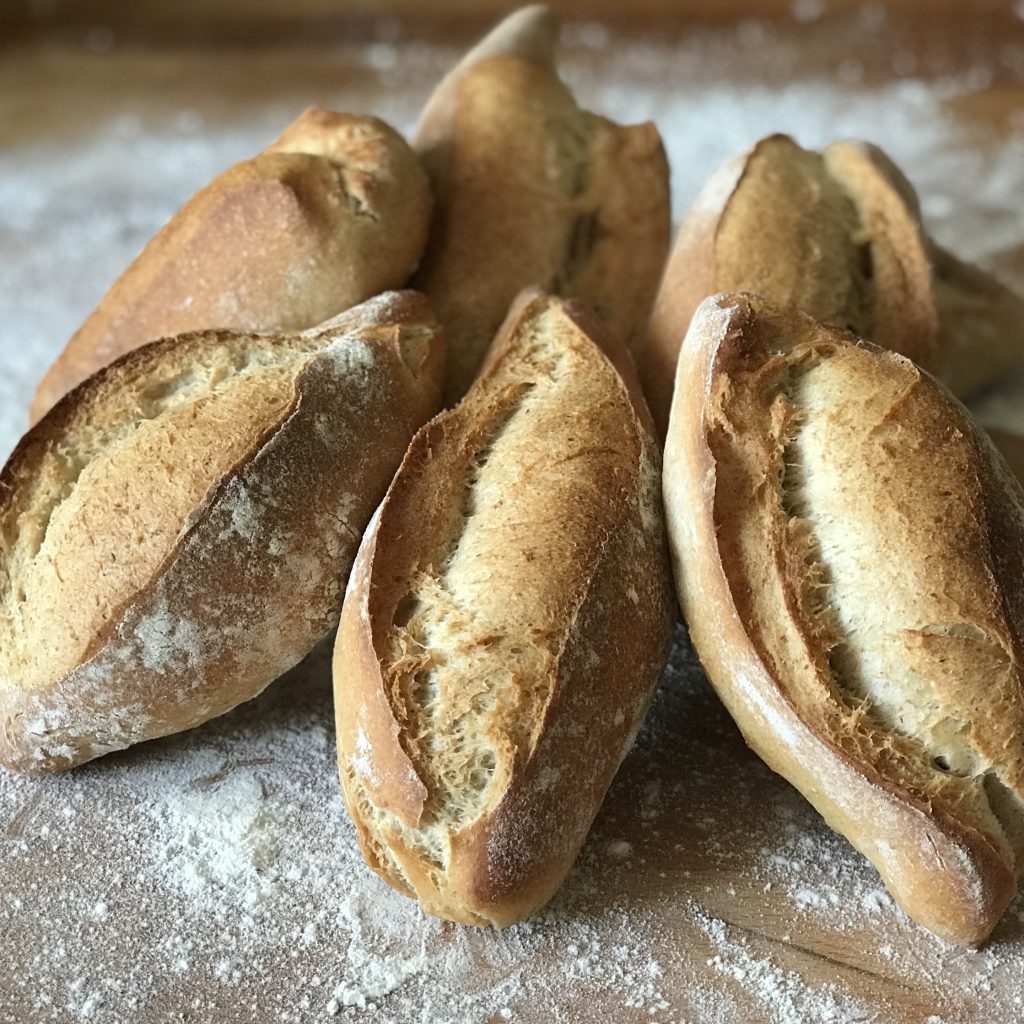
<point>506,623</point>
<point>849,555</point>
<point>838,235</point>
<point>531,190</point>
<point>334,212</point>
<point>177,531</point>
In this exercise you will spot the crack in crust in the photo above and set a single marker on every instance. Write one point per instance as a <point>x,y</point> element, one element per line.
<point>861,648</point>
<point>434,645</point>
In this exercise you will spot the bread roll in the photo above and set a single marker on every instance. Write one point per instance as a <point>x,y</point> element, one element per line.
<point>531,190</point>
<point>506,623</point>
<point>837,235</point>
<point>176,532</point>
<point>849,554</point>
<point>334,212</point>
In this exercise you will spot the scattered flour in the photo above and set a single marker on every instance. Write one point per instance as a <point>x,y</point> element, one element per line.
<point>786,997</point>
<point>217,869</point>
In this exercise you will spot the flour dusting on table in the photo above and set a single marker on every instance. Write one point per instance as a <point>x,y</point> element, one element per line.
<point>183,874</point>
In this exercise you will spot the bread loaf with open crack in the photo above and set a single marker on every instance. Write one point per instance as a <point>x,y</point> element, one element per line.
<point>177,531</point>
<point>849,555</point>
<point>334,212</point>
<point>530,189</point>
<point>837,235</point>
<point>506,623</point>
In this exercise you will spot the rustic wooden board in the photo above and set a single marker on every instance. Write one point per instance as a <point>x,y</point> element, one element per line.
<point>212,877</point>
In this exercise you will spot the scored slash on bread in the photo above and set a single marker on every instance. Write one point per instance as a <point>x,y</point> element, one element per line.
<point>837,235</point>
<point>849,555</point>
<point>334,212</point>
<point>530,189</point>
<point>506,622</point>
<point>176,532</point>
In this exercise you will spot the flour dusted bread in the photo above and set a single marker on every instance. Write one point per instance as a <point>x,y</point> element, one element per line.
<point>177,531</point>
<point>531,190</point>
<point>334,212</point>
<point>849,554</point>
<point>506,623</point>
<point>837,235</point>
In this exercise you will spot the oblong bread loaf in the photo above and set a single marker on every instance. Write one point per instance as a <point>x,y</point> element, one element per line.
<point>849,554</point>
<point>334,212</point>
<point>506,623</point>
<point>177,531</point>
<point>836,235</point>
<point>530,189</point>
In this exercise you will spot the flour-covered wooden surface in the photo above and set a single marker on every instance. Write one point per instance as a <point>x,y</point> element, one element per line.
<point>213,876</point>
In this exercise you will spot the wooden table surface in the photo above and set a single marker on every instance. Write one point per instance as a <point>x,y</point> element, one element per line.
<point>212,876</point>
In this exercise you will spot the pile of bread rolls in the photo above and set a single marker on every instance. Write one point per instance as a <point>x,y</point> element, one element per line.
<point>256,437</point>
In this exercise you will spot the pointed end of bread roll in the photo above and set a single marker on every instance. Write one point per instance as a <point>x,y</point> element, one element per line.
<point>531,189</point>
<point>530,33</point>
<point>849,555</point>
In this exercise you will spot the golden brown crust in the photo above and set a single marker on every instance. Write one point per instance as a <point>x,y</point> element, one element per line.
<point>530,190</point>
<point>332,213</point>
<point>848,550</point>
<point>836,235</point>
<point>163,557</point>
<point>509,599</point>
<point>902,316</point>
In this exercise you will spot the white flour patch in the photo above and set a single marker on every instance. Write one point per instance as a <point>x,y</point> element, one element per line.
<point>786,997</point>
<point>168,642</point>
